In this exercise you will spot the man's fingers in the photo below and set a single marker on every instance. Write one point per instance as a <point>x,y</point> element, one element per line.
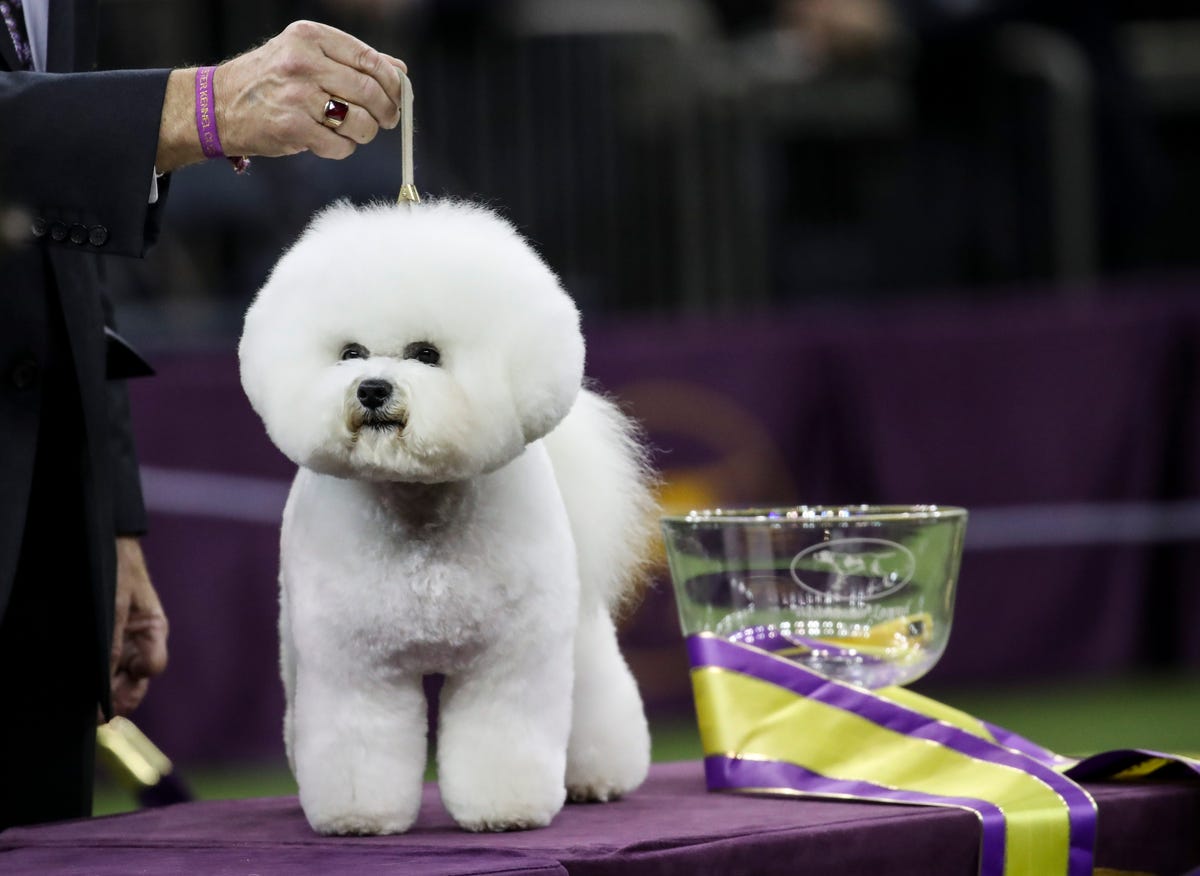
<point>326,143</point>
<point>145,651</point>
<point>358,126</point>
<point>353,52</point>
<point>150,635</point>
<point>360,90</point>
<point>128,693</point>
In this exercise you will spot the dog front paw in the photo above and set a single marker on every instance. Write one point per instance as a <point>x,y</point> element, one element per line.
<point>359,823</point>
<point>505,815</point>
<point>503,800</point>
<point>359,799</point>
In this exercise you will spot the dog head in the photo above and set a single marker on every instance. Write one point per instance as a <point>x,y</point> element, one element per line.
<point>422,344</point>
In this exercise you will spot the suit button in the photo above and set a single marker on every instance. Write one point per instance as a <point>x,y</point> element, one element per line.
<point>25,373</point>
<point>58,231</point>
<point>40,227</point>
<point>98,235</point>
<point>79,234</point>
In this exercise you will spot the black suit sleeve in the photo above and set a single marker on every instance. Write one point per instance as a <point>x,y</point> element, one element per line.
<point>77,149</point>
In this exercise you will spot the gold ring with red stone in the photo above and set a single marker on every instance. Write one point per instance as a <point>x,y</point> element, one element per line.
<point>335,113</point>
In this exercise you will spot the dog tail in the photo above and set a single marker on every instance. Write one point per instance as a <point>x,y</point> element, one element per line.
<point>604,475</point>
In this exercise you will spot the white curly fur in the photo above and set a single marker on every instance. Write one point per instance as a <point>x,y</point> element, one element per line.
<point>438,533</point>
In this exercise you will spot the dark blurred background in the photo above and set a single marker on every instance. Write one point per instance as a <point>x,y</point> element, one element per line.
<point>721,155</point>
<point>827,251</point>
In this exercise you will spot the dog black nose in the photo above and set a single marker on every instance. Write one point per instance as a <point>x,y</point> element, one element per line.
<point>374,393</point>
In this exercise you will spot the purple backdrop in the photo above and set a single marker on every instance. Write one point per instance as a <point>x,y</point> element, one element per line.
<point>1069,430</point>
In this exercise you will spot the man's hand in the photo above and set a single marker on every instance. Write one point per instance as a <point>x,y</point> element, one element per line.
<point>271,100</point>
<point>139,648</point>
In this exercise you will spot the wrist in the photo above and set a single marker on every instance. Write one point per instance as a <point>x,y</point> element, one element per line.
<point>178,141</point>
<point>129,556</point>
<point>190,128</point>
<point>229,131</point>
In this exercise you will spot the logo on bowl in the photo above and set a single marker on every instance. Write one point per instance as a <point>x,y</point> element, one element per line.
<point>854,569</point>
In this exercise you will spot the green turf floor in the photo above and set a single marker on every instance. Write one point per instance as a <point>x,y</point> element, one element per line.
<point>1158,712</point>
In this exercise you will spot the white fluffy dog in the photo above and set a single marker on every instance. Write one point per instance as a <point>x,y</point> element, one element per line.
<point>462,507</point>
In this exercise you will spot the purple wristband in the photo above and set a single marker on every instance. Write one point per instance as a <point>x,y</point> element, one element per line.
<point>206,120</point>
<point>206,114</point>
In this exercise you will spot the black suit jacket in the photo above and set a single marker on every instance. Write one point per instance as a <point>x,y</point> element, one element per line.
<point>76,158</point>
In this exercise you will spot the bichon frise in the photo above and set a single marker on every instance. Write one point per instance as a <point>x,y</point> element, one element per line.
<point>462,507</point>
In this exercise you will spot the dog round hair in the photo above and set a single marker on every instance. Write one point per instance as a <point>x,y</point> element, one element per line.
<point>410,343</point>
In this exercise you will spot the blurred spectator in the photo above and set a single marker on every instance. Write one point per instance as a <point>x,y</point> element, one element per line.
<point>983,143</point>
<point>985,198</point>
<point>840,31</point>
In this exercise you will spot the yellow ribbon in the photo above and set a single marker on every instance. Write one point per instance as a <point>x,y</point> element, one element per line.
<point>745,717</point>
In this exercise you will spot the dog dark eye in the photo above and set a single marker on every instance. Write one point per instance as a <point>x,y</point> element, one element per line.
<point>424,352</point>
<point>354,351</point>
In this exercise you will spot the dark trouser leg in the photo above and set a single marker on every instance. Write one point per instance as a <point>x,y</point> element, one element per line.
<point>47,698</point>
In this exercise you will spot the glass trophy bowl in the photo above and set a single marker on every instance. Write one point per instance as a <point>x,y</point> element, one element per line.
<point>859,593</point>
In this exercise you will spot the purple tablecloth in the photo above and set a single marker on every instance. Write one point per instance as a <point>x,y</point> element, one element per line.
<point>670,826</point>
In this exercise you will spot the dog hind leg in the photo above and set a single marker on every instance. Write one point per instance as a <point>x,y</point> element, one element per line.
<point>608,754</point>
<point>287,670</point>
<point>606,486</point>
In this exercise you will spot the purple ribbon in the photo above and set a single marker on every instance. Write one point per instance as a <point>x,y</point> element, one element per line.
<point>728,774</point>
<point>1107,764</point>
<point>711,651</point>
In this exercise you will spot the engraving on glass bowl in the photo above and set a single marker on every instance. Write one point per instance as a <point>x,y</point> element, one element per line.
<point>854,569</point>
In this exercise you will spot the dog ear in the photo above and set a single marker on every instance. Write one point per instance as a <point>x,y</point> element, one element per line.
<point>546,365</point>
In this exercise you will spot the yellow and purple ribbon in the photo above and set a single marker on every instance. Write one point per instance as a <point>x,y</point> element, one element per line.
<point>770,725</point>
